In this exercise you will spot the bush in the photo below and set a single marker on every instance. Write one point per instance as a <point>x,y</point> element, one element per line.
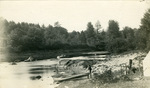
<point>106,77</point>
<point>109,77</point>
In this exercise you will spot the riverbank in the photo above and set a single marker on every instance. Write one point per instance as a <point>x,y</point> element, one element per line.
<point>114,61</point>
<point>90,84</point>
<point>40,55</point>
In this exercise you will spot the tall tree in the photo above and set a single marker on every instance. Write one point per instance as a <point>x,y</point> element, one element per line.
<point>90,34</point>
<point>145,26</point>
<point>145,21</point>
<point>82,38</point>
<point>113,29</point>
<point>114,42</point>
<point>90,30</point>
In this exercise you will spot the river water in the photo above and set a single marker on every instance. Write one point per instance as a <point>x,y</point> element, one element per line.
<point>24,74</point>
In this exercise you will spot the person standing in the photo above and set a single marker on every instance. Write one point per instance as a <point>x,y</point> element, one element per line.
<point>90,71</point>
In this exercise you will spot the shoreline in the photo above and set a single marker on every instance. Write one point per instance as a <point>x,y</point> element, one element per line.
<point>115,60</point>
<point>39,55</point>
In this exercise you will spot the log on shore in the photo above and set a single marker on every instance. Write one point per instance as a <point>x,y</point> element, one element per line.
<point>69,78</point>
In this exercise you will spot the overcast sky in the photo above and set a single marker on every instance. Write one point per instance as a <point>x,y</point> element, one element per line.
<point>74,15</point>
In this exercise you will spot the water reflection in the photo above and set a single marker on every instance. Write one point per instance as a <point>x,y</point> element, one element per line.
<point>35,77</point>
<point>41,69</point>
<point>36,72</point>
<point>27,74</point>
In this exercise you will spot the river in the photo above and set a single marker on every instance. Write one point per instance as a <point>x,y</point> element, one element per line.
<point>23,75</point>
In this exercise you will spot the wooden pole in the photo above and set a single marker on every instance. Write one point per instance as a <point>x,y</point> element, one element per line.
<point>140,67</point>
<point>130,65</point>
<point>126,69</point>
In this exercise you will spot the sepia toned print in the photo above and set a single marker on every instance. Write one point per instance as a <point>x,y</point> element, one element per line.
<point>75,44</point>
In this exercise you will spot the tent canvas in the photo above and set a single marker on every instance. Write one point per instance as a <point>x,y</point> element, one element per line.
<point>146,65</point>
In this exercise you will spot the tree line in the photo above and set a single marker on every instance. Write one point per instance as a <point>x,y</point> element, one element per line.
<point>20,37</point>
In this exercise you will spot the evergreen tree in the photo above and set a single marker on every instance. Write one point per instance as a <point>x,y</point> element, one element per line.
<point>90,35</point>
<point>145,28</point>
<point>114,42</point>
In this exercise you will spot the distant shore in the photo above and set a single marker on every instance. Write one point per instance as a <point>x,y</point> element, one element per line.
<point>40,55</point>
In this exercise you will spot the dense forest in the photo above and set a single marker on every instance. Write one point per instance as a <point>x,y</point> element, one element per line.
<point>21,37</point>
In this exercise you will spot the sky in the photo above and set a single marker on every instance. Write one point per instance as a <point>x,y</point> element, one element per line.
<point>74,15</point>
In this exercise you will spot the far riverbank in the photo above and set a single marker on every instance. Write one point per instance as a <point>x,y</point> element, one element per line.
<point>40,55</point>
